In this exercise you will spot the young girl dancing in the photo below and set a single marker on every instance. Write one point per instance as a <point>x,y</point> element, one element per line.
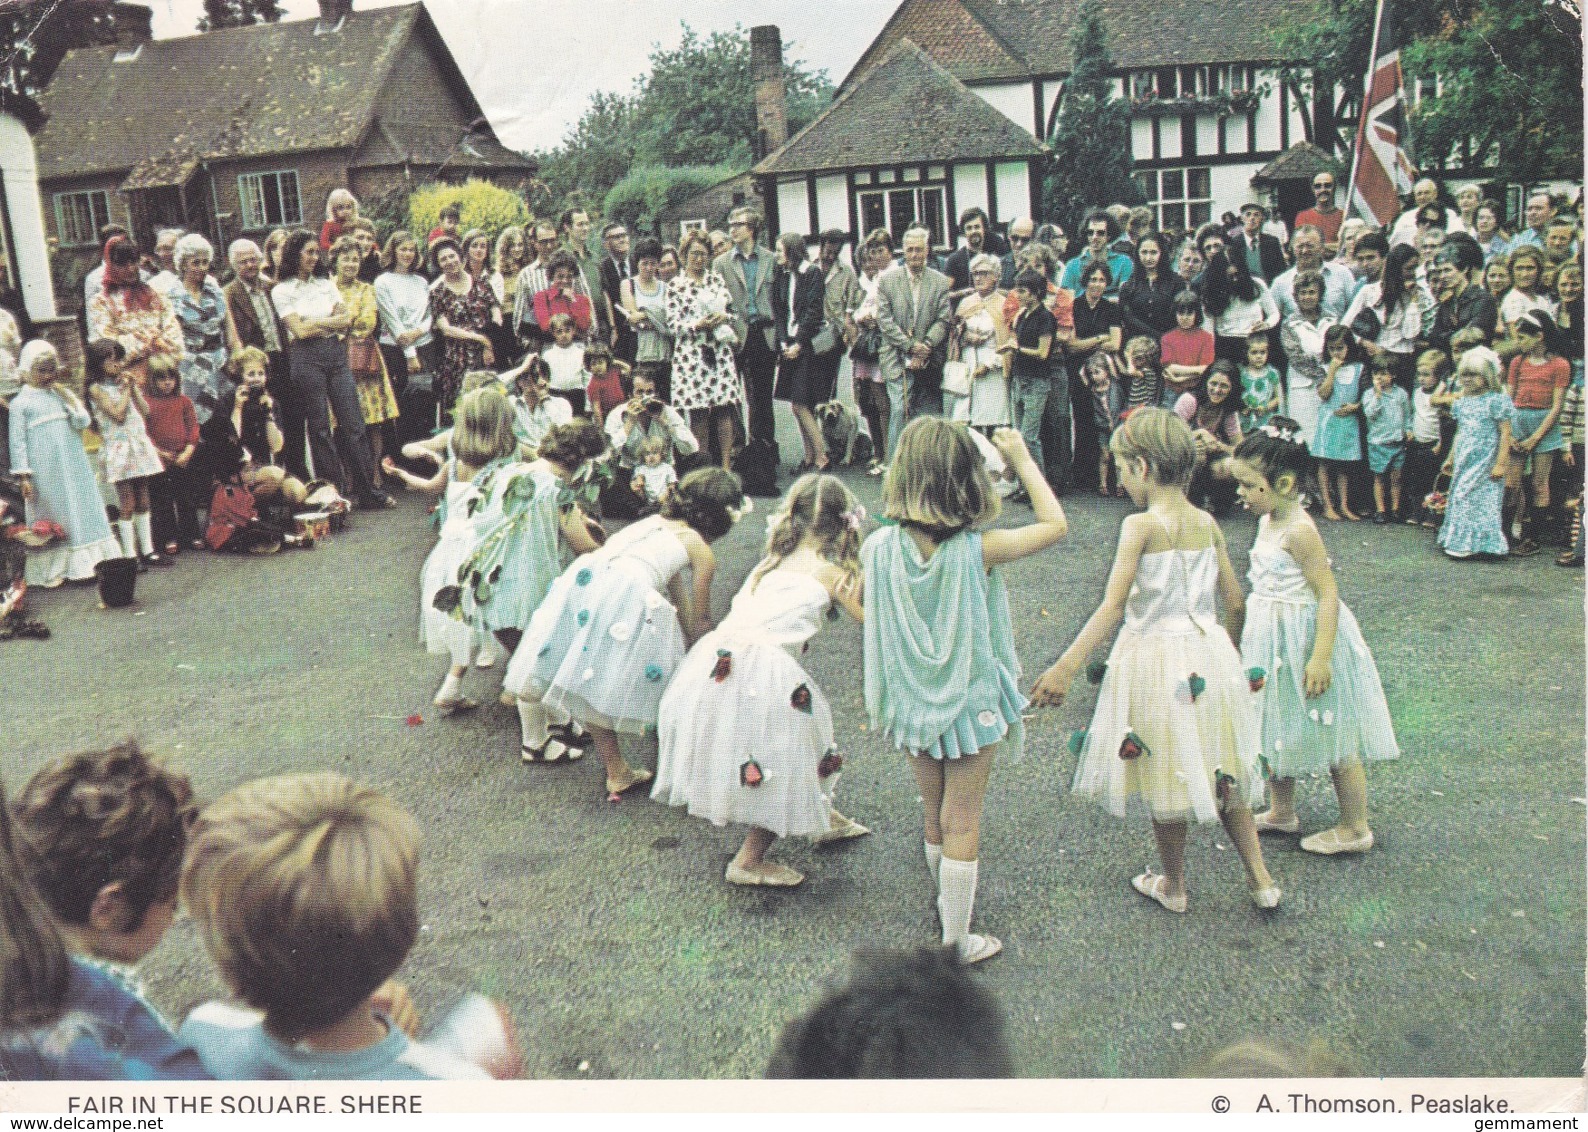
<point>941,675</point>
<point>605,642</point>
<point>1175,724</point>
<point>483,434</point>
<point>524,517</point>
<point>745,735</point>
<point>128,458</point>
<point>1320,699</point>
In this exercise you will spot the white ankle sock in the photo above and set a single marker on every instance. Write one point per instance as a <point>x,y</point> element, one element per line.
<point>451,688</point>
<point>934,857</point>
<point>532,723</point>
<point>145,532</point>
<point>125,536</point>
<point>956,896</point>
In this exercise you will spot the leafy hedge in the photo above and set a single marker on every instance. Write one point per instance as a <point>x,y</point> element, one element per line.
<point>484,205</point>
<point>650,190</point>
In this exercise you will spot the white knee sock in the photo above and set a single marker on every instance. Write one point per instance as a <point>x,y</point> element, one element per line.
<point>451,688</point>
<point>934,858</point>
<point>124,534</point>
<point>532,723</point>
<point>956,895</point>
<point>141,525</point>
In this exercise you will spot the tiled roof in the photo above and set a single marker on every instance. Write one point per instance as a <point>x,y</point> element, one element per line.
<point>237,92</point>
<point>1301,161</point>
<point>1031,37</point>
<point>905,109</point>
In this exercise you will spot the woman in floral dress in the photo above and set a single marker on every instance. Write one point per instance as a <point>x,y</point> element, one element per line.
<point>463,307</point>
<point>706,382</point>
<point>208,332</point>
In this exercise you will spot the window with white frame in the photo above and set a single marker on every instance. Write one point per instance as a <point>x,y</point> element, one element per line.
<point>897,209</point>
<point>80,216</point>
<point>270,199</point>
<point>1182,198</point>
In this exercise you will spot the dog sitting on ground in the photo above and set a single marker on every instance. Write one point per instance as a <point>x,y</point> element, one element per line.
<point>846,444</point>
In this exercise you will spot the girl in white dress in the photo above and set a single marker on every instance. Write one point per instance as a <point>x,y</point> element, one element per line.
<point>1321,702</point>
<point>745,735</point>
<point>606,641</point>
<point>128,459</point>
<point>483,434</point>
<point>1176,723</point>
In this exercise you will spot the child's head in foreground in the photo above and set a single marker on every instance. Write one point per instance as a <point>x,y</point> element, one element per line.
<point>100,836</point>
<point>938,480</point>
<point>1160,438</point>
<point>914,1013</point>
<point>303,888</point>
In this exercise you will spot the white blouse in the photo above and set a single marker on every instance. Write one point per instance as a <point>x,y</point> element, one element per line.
<point>404,305</point>
<point>306,298</point>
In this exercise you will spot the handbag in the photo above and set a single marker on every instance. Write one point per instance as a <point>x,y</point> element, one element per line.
<point>1367,324</point>
<point>231,509</point>
<point>956,378</point>
<point>868,346</point>
<point>363,356</point>
<point>825,341</point>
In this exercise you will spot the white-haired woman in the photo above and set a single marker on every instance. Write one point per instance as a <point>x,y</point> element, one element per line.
<point>982,329</point>
<point>341,209</point>
<point>208,333</point>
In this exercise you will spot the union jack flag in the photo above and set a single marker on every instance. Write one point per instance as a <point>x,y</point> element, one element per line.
<point>1381,169</point>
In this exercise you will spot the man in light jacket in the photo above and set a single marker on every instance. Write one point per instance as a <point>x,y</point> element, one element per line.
<point>913,316</point>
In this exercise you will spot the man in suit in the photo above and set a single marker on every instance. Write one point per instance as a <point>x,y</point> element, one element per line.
<point>615,269</point>
<point>248,299</point>
<point>913,316</point>
<point>747,269</point>
<point>1264,255</point>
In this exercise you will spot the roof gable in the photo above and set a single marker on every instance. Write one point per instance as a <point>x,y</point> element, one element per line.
<point>948,32</point>
<point>234,93</point>
<point>904,110</point>
<point>1034,35</point>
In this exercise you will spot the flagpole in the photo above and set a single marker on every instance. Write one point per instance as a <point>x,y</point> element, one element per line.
<point>1367,88</point>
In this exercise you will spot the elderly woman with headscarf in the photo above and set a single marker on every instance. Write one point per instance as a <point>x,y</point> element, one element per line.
<point>133,313</point>
<point>209,334</point>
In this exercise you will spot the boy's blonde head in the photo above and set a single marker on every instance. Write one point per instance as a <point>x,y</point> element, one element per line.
<point>1163,440</point>
<point>303,888</point>
<point>938,481</point>
<point>249,357</point>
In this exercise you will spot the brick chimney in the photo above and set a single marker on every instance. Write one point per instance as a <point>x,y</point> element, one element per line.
<point>766,72</point>
<point>131,25</point>
<point>332,13</point>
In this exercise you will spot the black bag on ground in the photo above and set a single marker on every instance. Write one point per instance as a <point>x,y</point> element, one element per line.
<point>756,465</point>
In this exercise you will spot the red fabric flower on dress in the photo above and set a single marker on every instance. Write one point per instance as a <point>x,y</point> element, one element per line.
<point>801,699</point>
<point>724,665</point>
<point>830,765</point>
<point>1131,747</point>
<point>750,774</point>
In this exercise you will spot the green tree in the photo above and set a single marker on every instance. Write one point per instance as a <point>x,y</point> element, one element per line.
<point>695,107</point>
<point>239,13</point>
<point>650,190</point>
<point>1091,142</point>
<point>36,35</point>
<point>1510,90</point>
<point>1509,75</point>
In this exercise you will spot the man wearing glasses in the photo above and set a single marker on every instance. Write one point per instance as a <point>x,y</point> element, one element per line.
<point>1020,233</point>
<point>614,269</point>
<point>1324,216</point>
<point>1100,232</point>
<point>532,281</point>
